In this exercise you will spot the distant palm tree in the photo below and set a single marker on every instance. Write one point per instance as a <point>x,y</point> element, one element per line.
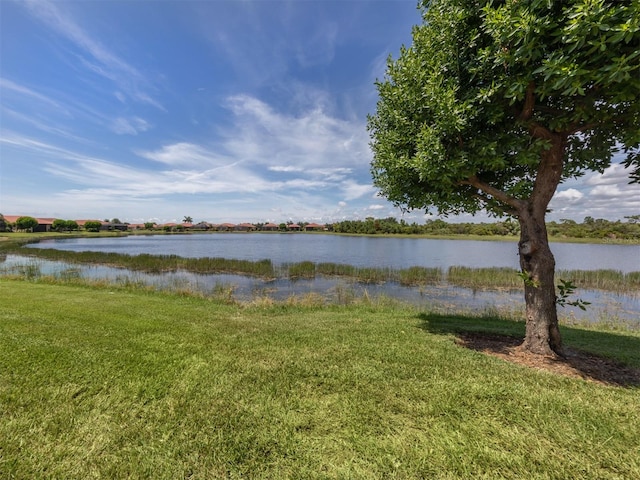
<point>187,220</point>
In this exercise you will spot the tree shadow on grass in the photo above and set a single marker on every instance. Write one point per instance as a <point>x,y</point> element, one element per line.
<point>605,357</point>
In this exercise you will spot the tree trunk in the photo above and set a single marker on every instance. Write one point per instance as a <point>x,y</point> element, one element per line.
<point>537,263</point>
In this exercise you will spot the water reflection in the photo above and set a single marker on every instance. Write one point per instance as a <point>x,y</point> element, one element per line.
<point>604,305</point>
<point>390,252</point>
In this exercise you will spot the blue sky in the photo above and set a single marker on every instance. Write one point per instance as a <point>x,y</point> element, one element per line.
<point>224,111</point>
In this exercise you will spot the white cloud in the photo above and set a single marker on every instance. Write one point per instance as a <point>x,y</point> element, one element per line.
<point>352,190</point>
<point>377,207</point>
<point>570,195</point>
<point>600,195</point>
<point>129,126</point>
<point>616,174</point>
<point>183,153</point>
<point>323,159</point>
<point>606,191</point>
<point>6,85</point>
<point>49,127</point>
<point>285,169</point>
<point>312,139</point>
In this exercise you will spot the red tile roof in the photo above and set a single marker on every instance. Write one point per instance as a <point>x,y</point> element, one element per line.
<point>41,221</point>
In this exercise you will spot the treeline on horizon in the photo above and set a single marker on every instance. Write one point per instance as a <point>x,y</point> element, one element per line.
<point>596,228</point>
<point>589,228</point>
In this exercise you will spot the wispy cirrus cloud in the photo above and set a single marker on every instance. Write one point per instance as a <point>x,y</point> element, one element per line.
<point>129,126</point>
<point>310,160</point>
<point>42,125</point>
<point>184,154</point>
<point>97,58</point>
<point>8,85</point>
<point>261,151</point>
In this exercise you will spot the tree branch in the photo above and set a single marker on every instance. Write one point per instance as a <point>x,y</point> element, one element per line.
<point>537,130</point>
<point>506,209</point>
<point>499,195</point>
<point>549,173</point>
<point>529,102</point>
<point>579,128</point>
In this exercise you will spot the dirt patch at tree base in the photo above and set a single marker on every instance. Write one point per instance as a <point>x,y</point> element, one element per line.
<point>575,363</point>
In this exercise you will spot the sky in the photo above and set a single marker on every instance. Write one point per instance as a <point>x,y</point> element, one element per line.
<point>222,111</point>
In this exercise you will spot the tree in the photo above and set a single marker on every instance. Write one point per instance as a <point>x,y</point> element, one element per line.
<point>72,225</point>
<point>92,226</point>
<point>26,223</point>
<point>59,225</point>
<point>187,220</point>
<point>495,104</point>
<point>64,225</point>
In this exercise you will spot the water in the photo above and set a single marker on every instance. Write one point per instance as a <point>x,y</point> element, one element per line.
<point>357,251</point>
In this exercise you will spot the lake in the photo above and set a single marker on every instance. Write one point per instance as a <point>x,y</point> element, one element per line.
<point>357,251</point>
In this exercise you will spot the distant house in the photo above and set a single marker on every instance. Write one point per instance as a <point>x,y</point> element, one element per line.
<point>122,227</point>
<point>314,226</point>
<point>136,226</point>
<point>270,227</point>
<point>44,224</point>
<point>201,226</point>
<point>12,218</point>
<point>244,227</point>
<point>225,227</point>
<point>294,227</point>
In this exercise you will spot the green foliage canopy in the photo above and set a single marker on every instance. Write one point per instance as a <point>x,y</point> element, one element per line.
<point>26,223</point>
<point>92,225</point>
<point>466,112</point>
<point>64,225</point>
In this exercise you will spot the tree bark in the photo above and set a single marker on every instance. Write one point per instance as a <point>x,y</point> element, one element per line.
<point>536,259</point>
<point>538,264</point>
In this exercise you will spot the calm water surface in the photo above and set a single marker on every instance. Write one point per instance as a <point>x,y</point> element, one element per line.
<point>356,251</point>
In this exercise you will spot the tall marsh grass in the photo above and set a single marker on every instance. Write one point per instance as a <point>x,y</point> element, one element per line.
<point>484,278</point>
<point>419,276</point>
<point>148,263</point>
<point>494,278</point>
<point>360,274</point>
<point>301,270</point>
<point>508,278</point>
<point>610,280</point>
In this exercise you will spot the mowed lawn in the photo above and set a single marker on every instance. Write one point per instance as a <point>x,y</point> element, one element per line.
<point>116,383</point>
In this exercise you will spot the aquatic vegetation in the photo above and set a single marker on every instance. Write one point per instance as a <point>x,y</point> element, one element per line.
<point>492,278</point>
<point>611,280</point>
<point>485,278</point>
<point>419,276</point>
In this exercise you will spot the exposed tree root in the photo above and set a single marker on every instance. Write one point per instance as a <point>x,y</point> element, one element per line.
<point>574,363</point>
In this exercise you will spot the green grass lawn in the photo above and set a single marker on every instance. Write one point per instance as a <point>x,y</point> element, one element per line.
<point>116,383</point>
